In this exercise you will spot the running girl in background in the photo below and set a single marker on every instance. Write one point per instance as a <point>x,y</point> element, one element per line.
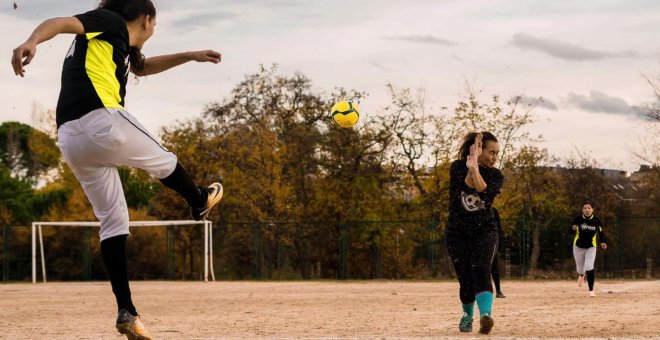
<point>586,229</point>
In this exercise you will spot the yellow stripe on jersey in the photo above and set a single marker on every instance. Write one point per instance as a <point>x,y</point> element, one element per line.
<point>101,71</point>
<point>600,229</point>
<point>593,241</point>
<point>92,35</point>
<point>577,235</point>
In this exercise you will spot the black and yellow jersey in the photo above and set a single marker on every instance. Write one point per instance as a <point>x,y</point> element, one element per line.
<point>588,229</point>
<point>96,66</point>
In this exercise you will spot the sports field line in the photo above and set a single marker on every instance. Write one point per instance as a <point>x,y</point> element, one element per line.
<point>627,287</point>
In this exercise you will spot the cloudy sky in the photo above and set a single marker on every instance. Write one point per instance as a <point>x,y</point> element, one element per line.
<point>586,58</point>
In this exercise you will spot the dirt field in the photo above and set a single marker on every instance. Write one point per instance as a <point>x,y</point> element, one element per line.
<point>381,309</point>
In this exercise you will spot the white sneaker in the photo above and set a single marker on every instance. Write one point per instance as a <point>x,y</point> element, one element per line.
<point>592,294</point>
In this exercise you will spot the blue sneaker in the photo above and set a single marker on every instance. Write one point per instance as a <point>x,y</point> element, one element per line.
<point>466,323</point>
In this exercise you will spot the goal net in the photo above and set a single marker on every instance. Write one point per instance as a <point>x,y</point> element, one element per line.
<point>38,241</point>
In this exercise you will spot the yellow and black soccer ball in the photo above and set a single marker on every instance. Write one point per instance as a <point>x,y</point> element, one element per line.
<point>345,114</point>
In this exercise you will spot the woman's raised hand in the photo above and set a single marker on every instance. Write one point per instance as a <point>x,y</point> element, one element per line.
<point>26,50</point>
<point>206,56</point>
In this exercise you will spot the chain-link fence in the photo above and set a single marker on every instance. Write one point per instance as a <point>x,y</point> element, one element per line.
<point>330,250</point>
<point>73,253</point>
<point>313,250</point>
<point>416,250</point>
<point>633,247</point>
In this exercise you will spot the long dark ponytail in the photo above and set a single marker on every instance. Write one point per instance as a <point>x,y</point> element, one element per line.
<point>131,10</point>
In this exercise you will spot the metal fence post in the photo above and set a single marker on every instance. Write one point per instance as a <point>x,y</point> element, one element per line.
<point>507,261</point>
<point>522,232</point>
<point>433,248</point>
<point>170,253</point>
<point>5,253</point>
<point>343,251</point>
<point>374,252</point>
<point>619,252</point>
<point>256,238</point>
<point>87,263</point>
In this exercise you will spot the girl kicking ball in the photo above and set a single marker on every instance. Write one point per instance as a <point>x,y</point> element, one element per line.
<point>96,134</point>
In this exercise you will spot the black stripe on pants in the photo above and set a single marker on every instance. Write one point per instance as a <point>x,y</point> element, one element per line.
<point>472,254</point>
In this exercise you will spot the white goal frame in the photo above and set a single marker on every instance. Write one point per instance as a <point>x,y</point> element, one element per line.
<point>208,240</point>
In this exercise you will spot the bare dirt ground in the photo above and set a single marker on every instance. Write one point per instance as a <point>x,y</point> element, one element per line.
<point>329,310</point>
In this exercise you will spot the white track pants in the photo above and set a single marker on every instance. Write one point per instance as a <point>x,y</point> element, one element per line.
<point>95,145</point>
<point>584,259</point>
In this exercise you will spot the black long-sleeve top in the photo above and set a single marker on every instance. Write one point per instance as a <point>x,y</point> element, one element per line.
<point>467,207</point>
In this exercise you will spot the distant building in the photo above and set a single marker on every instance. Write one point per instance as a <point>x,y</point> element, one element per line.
<point>613,174</point>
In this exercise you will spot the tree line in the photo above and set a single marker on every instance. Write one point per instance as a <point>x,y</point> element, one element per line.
<point>280,158</point>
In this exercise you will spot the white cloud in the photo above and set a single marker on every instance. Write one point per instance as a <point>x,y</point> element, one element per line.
<point>422,39</point>
<point>202,20</point>
<point>599,102</point>
<point>541,102</point>
<point>563,50</point>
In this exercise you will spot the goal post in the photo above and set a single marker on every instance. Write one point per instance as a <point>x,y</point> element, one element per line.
<point>37,232</point>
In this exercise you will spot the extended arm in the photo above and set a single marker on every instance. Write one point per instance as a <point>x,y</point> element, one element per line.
<point>574,226</point>
<point>45,31</point>
<point>601,235</point>
<point>165,62</point>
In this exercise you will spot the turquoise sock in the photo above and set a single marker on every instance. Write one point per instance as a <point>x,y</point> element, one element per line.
<point>469,309</point>
<point>485,302</point>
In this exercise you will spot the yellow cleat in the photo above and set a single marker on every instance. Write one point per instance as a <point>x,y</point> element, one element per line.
<point>131,326</point>
<point>214,195</point>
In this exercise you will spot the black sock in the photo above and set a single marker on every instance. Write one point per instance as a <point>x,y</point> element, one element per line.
<point>590,279</point>
<point>495,273</point>
<point>113,251</point>
<point>181,182</point>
